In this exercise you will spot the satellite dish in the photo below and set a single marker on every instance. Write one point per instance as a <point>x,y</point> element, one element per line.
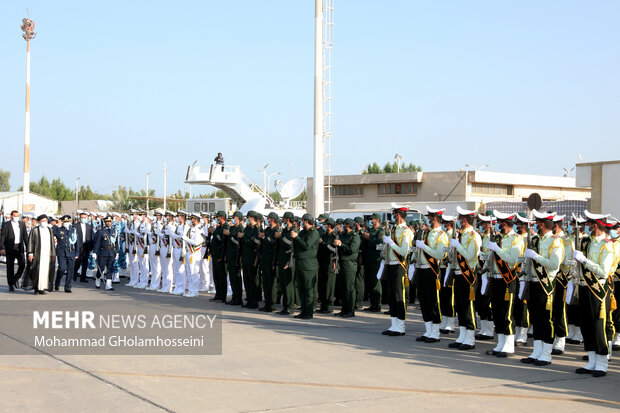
<point>254,204</point>
<point>534,201</point>
<point>292,189</point>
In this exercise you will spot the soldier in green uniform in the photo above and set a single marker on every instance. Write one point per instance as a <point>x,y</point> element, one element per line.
<point>268,261</point>
<point>359,275</point>
<point>286,263</point>
<point>306,266</point>
<point>218,255</point>
<point>328,267</point>
<point>233,258</point>
<point>372,260</point>
<point>250,244</point>
<point>338,291</point>
<point>348,251</point>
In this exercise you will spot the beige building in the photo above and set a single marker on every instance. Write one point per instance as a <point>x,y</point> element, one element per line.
<point>602,178</point>
<point>468,189</point>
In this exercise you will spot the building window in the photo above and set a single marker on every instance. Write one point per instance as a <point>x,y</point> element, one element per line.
<point>398,189</point>
<point>491,189</point>
<point>211,206</point>
<point>347,190</point>
<point>196,206</point>
<point>205,206</point>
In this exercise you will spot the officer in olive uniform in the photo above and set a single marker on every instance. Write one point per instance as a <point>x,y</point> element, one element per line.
<point>372,260</point>
<point>233,258</point>
<point>306,265</point>
<point>250,244</point>
<point>67,251</point>
<point>328,267</point>
<point>348,251</point>
<point>218,255</point>
<point>286,263</point>
<point>105,251</point>
<point>359,229</point>
<point>268,261</point>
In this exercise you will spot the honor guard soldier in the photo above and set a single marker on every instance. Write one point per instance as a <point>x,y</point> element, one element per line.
<point>142,236</point>
<point>155,251</point>
<point>464,262</point>
<point>560,327</point>
<point>268,262</point>
<point>597,259</point>
<point>573,318</point>
<point>519,309</point>
<point>505,250</point>
<point>233,258</point>
<point>205,270</point>
<point>250,244</point>
<point>348,249</point>
<point>178,258</point>
<point>615,276</point>
<point>130,242</point>
<point>359,274</point>
<point>165,252</point>
<point>483,301</point>
<point>446,289</point>
<point>433,251</point>
<point>397,243</point>
<point>105,252</point>
<point>67,252</point>
<point>218,256</point>
<point>193,243</point>
<point>545,259</point>
<point>286,263</point>
<point>328,262</point>
<point>306,244</point>
<point>372,261</point>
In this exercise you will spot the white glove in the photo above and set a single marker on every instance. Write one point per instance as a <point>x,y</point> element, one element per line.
<point>187,239</point>
<point>387,240</point>
<point>445,280</point>
<point>531,254</point>
<point>380,272</point>
<point>455,243</point>
<point>485,284</point>
<point>578,255</point>
<point>493,246</point>
<point>411,271</point>
<point>94,256</point>
<point>116,257</point>
<point>420,244</point>
<point>521,289</point>
<point>570,290</point>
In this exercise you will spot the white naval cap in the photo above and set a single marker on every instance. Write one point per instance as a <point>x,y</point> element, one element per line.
<point>558,218</point>
<point>579,220</point>
<point>447,218</point>
<point>435,211</point>
<point>485,218</point>
<point>543,215</point>
<point>600,218</point>
<point>399,207</point>
<point>524,219</point>
<point>502,216</point>
<point>461,211</point>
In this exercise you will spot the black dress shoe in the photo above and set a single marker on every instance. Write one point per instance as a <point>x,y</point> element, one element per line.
<point>541,363</point>
<point>386,332</point>
<point>267,309</point>
<point>300,315</point>
<point>374,309</point>
<point>492,352</point>
<point>556,352</point>
<point>83,280</point>
<point>431,340</point>
<point>483,337</point>
<point>324,311</point>
<point>284,312</point>
<point>421,338</point>
<point>501,354</point>
<point>307,317</point>
<point>11,288</point>
<point>338,314</point>
<point>454,345</point>
<point>444,331</point>
<point>41,292</point>
<point>598,373</point>
<point>56,288</point>
<point>252,306</point>
<point>466,347</point>
<point>582,370</point>
<point>395,334</point>
<point>348,315</point>
<point>528,360</point>
<point>67,291</point>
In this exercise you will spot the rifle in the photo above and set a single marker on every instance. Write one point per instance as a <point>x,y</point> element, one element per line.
<point>573,274</point>
<point>527,267</point>
<point>453,260</point>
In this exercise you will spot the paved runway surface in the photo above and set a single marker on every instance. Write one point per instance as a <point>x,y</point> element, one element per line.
<point>276,363</point>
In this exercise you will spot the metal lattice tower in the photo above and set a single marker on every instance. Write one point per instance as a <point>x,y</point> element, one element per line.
<point>328,25</point>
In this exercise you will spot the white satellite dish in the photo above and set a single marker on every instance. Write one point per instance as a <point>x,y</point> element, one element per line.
<point>292,189</point>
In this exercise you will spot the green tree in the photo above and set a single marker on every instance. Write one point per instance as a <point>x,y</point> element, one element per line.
<point>389,168</point>
<point>5,185</point>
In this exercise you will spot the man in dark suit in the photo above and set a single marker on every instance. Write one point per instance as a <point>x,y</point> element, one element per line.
<point>86,235</point>
<point>13,238</point>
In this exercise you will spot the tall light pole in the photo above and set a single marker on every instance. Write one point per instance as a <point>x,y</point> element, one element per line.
<point>398,159</point>
<point>264,172</point>
<point>29,34</point>
<point>318,190</point>
<point>147,191</point>
<point>269,181</point>
<point>77,192</point>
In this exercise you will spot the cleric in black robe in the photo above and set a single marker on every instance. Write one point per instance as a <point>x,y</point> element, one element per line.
<point>42,256</point>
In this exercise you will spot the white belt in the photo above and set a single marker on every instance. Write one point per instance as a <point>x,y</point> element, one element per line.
<point>497,276</point>
<point>424,266</point>
<point>393,263</point>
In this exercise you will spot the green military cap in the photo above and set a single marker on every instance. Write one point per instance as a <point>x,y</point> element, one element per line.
<point>330,222</point>
<point>339,221</point>
<point>349,222</point>
<point>288,215</point>
<point>251,214</point>
<point>358,220</point>
<point>221,214</point>
<point>322,216</point>
<point>237,214</point>
<point>259,216</point>
<point>377,215</point>
<point>272,215</point>
<point>308,217</point>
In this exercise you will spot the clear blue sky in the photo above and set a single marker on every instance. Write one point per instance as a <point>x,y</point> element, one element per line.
<point>120,87</point>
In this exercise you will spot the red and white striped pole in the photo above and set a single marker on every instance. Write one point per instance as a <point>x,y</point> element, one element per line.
<point>29,34</point>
